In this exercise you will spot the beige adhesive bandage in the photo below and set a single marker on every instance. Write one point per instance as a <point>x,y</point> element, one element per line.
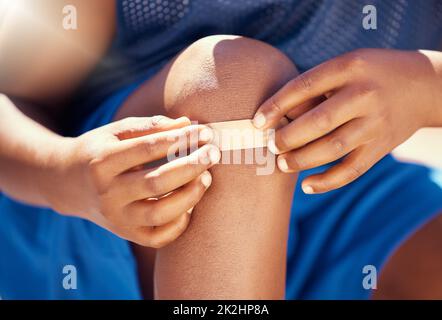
<point>240,134</point>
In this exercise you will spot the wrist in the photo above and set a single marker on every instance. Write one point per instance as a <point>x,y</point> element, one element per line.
<point>54,172</point>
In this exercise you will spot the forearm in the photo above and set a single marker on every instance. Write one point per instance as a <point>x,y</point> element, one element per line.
<point>29,154</point>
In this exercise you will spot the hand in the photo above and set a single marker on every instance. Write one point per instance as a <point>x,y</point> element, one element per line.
<point>359,106</point>
<point>104,180</point>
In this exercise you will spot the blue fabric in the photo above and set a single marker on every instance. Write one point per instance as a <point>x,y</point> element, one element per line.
<point>332,236</point>
<point>149,33</point>
<point>37,243</point>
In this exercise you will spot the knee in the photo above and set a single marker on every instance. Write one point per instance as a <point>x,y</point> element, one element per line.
<point>221,78</point>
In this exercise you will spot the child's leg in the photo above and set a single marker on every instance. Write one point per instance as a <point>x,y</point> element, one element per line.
<point>235,246</point>
<point>414,271</point>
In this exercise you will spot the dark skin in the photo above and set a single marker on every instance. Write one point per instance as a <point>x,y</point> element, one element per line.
<point>413,271</point>
<point>60,64</point>
<point>375,100</point>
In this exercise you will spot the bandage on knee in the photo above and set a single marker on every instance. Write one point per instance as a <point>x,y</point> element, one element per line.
<point>240,134</point>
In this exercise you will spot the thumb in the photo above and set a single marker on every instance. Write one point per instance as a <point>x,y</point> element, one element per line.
<point>135,127</point>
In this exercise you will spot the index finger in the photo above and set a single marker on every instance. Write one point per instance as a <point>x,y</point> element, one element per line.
<point>130,153</point>
<point>308,85</point>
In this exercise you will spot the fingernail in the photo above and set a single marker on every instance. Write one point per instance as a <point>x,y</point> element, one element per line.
<point>259,120</point>
<point>214,155</point>
<point>282,164</point>
<point>308,189</point>
<point>190,210</point>
<point>206,179</point>
<point>206,135</point>
<point>272,146</point>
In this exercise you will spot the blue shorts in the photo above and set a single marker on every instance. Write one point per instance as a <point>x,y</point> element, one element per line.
<point>332,236</point>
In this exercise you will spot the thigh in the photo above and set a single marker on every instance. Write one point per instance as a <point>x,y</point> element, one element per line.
<point>414,270</point>
<point>341,241</point>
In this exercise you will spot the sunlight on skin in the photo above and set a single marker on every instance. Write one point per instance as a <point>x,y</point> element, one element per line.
<point>40,47</point>
<point>24,16</point>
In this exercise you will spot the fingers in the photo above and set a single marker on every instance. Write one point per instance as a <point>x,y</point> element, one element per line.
<point>352,167</point>
<point>327,149</point>
<point>305,107</point>
<point>135,127</point>
<point>138,151</point>
<point>156,182</point>
<point>158,237</point>
<point>154,212</point>
<point>313,83</point>
<point>319,121</point>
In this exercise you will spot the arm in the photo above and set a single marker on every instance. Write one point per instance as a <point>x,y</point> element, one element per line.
<point>42,64</point>
<point>28,155</point>
<point>95,175</point>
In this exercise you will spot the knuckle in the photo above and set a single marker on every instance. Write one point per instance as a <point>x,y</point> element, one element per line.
<point>156,121</point>
<point>357,60</point>
<point>303,82</point>
<point>188,136</point>
<point>377,131</point>
<point>366,92</point>
<point>97,172</point>
<point>113,217</point>
<point>384,119</point>
<point>355,169</point>
<point>338,145</point>
<point>321,119</point>
<point>389,139</point>
<point>153,184</point>
<point>154,215</point>
<point>147,146</point>
<point>182,225</point>
<point>274,106</point>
